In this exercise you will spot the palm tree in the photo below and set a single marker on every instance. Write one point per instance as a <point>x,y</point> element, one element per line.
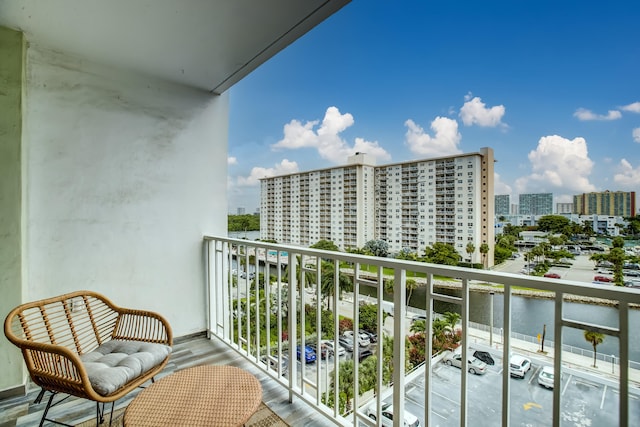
<point>327,282</point>
<point>418,326</point>
<point>309,277</point>
<point>411,286</point>
<point>471,248</point>
<point>452,320</point>
<point>595,338</point>
<point>484,250</point>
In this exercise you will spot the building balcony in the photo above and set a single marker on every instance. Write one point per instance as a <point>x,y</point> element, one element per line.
<point>239,332</point>
<point>230,321</point>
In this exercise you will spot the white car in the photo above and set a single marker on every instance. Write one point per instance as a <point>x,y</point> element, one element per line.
<point>519,366</point>
<point>475,365</point>
<point>410,420</point>
<point>545,377</point>
<point>363,339</point>
<point>332,351</point>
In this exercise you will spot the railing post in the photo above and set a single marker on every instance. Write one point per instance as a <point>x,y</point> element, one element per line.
<point>623,310</point>
<point>557,358</point>
<point>399,320</point>
<point>293,307</point>
<point>506,350</point>
<point>429,351</point>
<point>465,352</point>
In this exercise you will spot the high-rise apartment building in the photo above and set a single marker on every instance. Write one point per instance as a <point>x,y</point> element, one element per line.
<point>564,208</point>
<point>536,204</point>
<point>613,203</point>
<point>502,204</point>
<point>410,205</point>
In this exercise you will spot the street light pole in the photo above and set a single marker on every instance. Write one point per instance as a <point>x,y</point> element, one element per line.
<point>491,319</point>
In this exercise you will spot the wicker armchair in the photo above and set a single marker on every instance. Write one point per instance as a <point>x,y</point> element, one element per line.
<point>64,341</point>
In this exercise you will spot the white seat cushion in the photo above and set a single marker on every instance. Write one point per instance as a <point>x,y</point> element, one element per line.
<point>115,363</point>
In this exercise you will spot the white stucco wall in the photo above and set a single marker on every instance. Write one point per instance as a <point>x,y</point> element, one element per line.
<point>124,174</point>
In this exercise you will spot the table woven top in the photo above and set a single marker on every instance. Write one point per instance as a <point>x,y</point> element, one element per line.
<point>200,396</point>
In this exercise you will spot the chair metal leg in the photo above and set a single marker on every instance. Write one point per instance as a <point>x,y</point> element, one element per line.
<point>40,396</point>
<point>50,404</point>
<point>44,415</point>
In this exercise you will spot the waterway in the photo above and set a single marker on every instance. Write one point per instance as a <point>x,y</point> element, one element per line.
<point>529,315</point>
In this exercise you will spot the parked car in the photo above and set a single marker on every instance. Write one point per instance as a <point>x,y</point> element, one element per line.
<point>309,354</point>
<point>324,352</point>
<point>363,354</point>
<point>545,377</point>
<point>475,365</point>
<point>346,342</point>
<point>485,356</point>
<point>363,339</point>
<point>552,275</point>
<point>272,361</point>
<point>341,351</point>
<point>519,366</point>
<point>602,279</point>
<point>386,410</point>
<point>372,337</point>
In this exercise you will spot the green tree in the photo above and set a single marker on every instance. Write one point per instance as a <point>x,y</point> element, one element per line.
<point>411,285</point>
<point>484,250</point>
<point>553,223</point>
<point>326,245</point>
<point>441,253</point>
<point>378,248</point>
<point>595,338</point>
<point>471,248</point>
<point>452,320</point>
<point>407,255</point>
<point>328,281</point>
<point>243,222</point>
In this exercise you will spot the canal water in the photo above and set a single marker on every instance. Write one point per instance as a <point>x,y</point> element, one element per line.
<point>529,315</point>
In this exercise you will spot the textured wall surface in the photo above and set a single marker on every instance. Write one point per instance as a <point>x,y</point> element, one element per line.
<point>11,52</point>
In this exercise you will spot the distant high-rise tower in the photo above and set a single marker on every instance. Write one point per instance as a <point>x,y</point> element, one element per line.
<point>536,204</point>
<point>612,203</point>
<point>564,208</point>
<point>240,211</point>
<point>409,205</point>
<point>502,204</point>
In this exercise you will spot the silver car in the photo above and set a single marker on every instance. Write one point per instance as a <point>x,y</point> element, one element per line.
<point>545,377</point>
<point>475,365</point>
<point>386,410</point>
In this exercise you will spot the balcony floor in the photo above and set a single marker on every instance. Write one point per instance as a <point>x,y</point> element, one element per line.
<point>194,351</point>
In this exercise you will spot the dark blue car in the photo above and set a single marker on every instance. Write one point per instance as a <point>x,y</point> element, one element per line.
<point>309,354</point>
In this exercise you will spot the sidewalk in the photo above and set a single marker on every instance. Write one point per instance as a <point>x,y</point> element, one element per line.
<point>530,349</point>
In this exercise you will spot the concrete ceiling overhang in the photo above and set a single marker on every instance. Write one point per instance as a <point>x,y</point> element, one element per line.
<point>207,44</point>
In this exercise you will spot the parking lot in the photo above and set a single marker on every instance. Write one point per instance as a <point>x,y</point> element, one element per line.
<point>586,400</point>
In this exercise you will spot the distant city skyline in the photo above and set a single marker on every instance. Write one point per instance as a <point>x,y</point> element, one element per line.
<point>551,87</point>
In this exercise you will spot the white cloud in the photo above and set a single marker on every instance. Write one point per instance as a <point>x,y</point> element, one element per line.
<point>634,107</point>
<point>444,143</point>
<point>500,187</point>
<point>558,163</point>
<point>636,134</point>
<point>628,176</point>
<point>475,112</point>
<point>284,168</point>
<point>586,115</point>
<point>232,161</point>
<point>326,139</point>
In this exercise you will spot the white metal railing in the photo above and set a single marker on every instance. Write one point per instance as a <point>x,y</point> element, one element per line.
<point>264,320</point>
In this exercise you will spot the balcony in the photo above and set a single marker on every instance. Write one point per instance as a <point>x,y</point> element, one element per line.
<point>237,332</point>
<point>308,383</point>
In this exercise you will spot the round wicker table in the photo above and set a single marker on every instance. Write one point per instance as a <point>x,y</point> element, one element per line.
<point>200,396</point>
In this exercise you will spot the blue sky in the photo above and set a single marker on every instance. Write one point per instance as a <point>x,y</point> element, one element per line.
<point>552,87</point>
